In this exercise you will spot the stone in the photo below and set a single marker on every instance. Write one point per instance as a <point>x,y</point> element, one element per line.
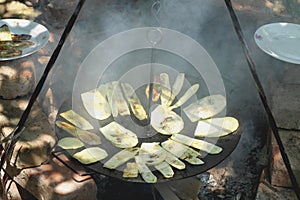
<point>55,181</point>
<point>267,191</point>
<point>37,139</point>
<point>58,12</point>
<point>279,174</point>
<point>17,79</point>
<point>291,76</point>
<point>16,9</point>
<point>285,106</point>
<point>13,191</point>
<point>187,189</point>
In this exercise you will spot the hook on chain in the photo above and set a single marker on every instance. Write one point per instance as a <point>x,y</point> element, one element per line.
<point>155,9</point>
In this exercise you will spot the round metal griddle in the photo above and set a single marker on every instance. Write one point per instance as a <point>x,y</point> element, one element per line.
<point>146,133</point>
<point>136,56</point>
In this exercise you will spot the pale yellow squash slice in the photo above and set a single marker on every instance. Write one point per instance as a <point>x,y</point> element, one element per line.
<point>118,101</point>
<point>205,108</point>
<point>166,93</point>
<point>197,144</point>
<point>96,105</point>
<point>119,135</point>
<point>85,136</point>
<point>145,172</point>
<point>174,161</point>
<point>187,95</point>
<point>103,89</point>
<point>131,170</point>
<point>183,152</point>
<point>194,161</point>
<point>70,143</point>
<point>90,155</point>
<point>152,153</point>
<point>121,157</point>
<point>177,86</point>
<point>166,121</point>
<point>216,127</point>
<point>165,169</point>
<point>134,102</point>
<point>179,150</point>
<point>156,89</point>
<point>110,90</point>
<point>76,119</point>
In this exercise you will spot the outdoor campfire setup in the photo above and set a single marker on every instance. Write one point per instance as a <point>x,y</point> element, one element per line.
<point>135,84</point>
<point>146,93</point>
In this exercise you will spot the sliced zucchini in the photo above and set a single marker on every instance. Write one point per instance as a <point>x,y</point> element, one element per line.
<point>96,105</point>
<point>179,150</point>
<point>76,119</point>
<point>135,104</point>
<point>85,136</point>
<point>165,169</point>
<point>90,155</point>
<point>118,101</point>
<point>174,161</point>
<point>188,94</point>
<point>216,127</point>
<point>166,93</point>
<point>131,170</point>
<point>145,172</point>
<point>152,153</point>
<point>196,143</point>
<point>166,121</point>
<point>206,107</point>
<point>70,143</point>
<point>119,135</point>
<point>120,158</point>
<point>177,86</point>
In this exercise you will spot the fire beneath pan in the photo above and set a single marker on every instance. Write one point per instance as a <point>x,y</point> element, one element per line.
<point>151,133</point>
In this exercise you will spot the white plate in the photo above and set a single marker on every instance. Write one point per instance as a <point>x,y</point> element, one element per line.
<point>39,34</point>
<point>280,40</point>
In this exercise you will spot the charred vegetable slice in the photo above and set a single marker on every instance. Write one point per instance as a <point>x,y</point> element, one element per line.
<point>85,136</point>
<point>119,135</point>
<point>206,107</point>
<point>121,157</point>
<point>70,143</point>
<point>6,35</point>
<point>96,105</point>
<point>6,53</point>
<point>188,94</point>
<point>76,120</point>
<point>166,121</point>
<point>135,104</point>
<point>216,127</point>
<point>131,170</point>
<point>152,153</point>
<point>145,172</point>
<point>19,45</point>
<point>165,169</point>
<point>90,155</point>
<point>198,144</point>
